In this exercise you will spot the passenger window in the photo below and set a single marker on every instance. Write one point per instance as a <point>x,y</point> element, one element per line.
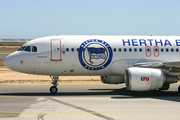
<point>172,50</point>
<point>135,50</point>
<point>119,49</point>
<point>148,49</point>
<point>156,50</point>
<point>114,49</point>
<point>28,49</point>
<point>130,49</point>
<point>177,50</point>
<point>78,49</point>
<point>109,49</point>
<point>124,49</point>
<point>167,49</point>
<point>34,49</point>
<point>21,48</point>
<point>140,49</point>
<point>67,49</point>
<point>72,49</point>
<point>162,49</point>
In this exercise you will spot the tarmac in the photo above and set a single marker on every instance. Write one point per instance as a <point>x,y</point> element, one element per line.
<point>86,101</point>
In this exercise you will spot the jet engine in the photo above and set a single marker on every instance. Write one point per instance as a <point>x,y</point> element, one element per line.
<point>144,79</point>
<point>112,79</point>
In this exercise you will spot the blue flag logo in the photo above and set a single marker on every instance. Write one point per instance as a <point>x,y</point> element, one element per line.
<point>95,54</point>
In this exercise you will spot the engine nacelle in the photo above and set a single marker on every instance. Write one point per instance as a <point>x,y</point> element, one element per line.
<point>112,79</point>
<point>143,79</point>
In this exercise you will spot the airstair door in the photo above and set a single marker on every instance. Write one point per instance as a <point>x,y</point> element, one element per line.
<point>55,50</point>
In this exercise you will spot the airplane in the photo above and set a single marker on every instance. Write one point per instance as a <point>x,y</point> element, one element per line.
<point>143,63</point>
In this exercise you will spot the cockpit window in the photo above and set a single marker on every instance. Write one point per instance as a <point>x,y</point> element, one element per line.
<point>28,49</point>
<point>21,48</point>
<point>34,49</point>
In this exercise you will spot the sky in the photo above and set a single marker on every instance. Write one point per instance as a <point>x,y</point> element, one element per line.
<point>29,19</point>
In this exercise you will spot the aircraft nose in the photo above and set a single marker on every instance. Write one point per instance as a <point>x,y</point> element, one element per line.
<point>8,62</point>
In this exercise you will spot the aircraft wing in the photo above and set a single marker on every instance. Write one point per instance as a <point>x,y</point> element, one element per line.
<point>172,64</point>
<point>170,67</point>
<point>159,64</point>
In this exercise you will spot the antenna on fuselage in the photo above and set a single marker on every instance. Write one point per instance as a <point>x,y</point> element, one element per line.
<point>58,34</point>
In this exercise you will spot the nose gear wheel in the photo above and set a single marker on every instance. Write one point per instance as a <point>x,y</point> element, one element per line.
<point>53,89</point>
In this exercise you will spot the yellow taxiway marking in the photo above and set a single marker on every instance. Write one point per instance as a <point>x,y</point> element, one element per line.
<point>29,112</point>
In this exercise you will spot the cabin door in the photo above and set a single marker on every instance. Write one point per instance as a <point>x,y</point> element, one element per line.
<point>55,46</point>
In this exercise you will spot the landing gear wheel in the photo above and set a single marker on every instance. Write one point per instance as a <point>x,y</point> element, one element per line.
<point>165,87</point>
<point>179,89</point>
<point>53,89</point>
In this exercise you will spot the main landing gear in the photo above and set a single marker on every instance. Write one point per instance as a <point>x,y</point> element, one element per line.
<point>54,88</point>
<point>166,87</point>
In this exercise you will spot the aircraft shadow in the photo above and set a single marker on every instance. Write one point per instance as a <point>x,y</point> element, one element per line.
<point>156,94</point>
<point>122,93</point>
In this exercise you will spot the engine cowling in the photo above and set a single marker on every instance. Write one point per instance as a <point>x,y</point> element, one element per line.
<point>144,79</point>
<point>112,79</point>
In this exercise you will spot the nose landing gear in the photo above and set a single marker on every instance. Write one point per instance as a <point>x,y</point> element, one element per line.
<point>54,88</point>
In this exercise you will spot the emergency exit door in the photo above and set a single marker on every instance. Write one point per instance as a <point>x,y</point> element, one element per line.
<point>56,50</point>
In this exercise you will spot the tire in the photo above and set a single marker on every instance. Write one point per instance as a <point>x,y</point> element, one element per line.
<point>165,87</point>
<point>53,89</point>
<point>179,89</point>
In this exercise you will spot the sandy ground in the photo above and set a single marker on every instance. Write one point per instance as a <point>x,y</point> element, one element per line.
<point>8,76</point>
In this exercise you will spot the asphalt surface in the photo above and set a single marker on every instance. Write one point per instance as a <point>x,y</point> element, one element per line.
<point>3,55</point>
<point>86,101</point>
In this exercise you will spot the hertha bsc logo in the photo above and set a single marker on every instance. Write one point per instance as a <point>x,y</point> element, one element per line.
<point>95,54</point>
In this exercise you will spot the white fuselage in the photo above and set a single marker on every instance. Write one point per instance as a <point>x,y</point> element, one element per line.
<point>92,55</point>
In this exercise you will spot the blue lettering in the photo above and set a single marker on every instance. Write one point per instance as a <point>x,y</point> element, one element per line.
<point>158,42</point>
<point>177,42</point>
<point>167,43</point>
<point>142,41</point>
<point>126,42</point>
<point>134,42</point>
<point>150,41</point>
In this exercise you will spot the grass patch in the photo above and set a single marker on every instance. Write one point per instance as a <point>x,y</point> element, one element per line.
<point>1,61</point>
<point>8,49</point>
<point>11,43</point>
